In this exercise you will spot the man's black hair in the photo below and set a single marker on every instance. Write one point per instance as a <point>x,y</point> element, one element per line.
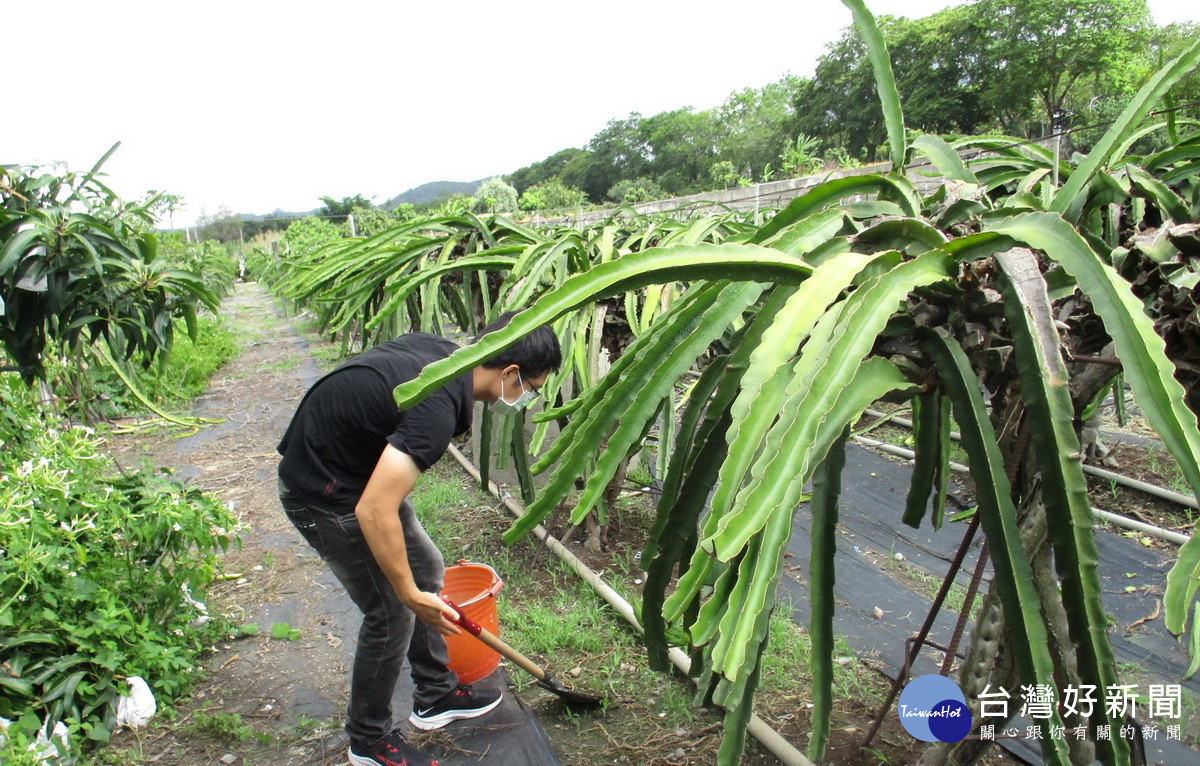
<point>536,353</point>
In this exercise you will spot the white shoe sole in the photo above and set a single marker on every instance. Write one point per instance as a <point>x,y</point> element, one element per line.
<point>358,760</point>
<point>440,720</point>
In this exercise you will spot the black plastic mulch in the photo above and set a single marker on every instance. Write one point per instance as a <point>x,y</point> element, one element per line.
<point>872,503</point>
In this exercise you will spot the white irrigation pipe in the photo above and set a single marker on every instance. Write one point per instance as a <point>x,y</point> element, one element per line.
<point>1112,518</point>
<point>771,739</point>
<point>1149,489</point>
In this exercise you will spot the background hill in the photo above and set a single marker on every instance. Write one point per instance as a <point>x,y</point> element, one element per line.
<point>434,191</point>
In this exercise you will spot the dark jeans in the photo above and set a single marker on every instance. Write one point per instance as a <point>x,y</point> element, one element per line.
<point>390,631</point>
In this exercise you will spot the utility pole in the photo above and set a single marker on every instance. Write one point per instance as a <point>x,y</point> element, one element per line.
<point>1056,125</point>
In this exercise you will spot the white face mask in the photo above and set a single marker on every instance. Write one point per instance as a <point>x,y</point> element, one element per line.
<point>524,400</point>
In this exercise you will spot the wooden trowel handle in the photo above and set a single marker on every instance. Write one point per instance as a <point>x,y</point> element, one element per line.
<point>493,641</point>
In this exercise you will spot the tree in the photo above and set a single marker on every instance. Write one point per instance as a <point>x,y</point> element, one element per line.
<point>371,220</point>
<point>163,202</point>
<point>725,176</point>
<point>936,61</point>
<point>223,226</point>
<point>618,152</point>
<point>683,144</point>
<point>1041,49</point>
<point>337,210</point>
<point>634,190</point>
<point>552,195</point>
<point>755,126</point>
<point>81,268</point>
<point>495,196</point>
<point>307,234</point>
<point>404,211</point>
<point>838,105</point>
<point>544,170</point>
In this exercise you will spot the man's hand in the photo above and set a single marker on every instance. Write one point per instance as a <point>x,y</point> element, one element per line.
<point>430,609</point>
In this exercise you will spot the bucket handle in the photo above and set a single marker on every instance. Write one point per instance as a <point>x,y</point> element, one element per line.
<point>491,592</point>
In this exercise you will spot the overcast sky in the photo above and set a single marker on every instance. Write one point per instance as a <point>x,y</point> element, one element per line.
<point>257,106</point>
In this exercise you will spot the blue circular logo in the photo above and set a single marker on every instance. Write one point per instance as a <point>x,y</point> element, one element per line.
<point>933,709</point>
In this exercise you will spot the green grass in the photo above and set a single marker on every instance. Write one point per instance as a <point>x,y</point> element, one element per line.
<point>291,363</point>
<point>548,614</point>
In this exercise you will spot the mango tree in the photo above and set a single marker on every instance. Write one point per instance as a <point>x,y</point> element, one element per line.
<point>80,274</point>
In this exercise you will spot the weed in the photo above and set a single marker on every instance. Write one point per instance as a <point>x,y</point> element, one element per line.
<point>307,726</point>
<point>228,727</point>
<point>284,365</point>
<point>284,630</point>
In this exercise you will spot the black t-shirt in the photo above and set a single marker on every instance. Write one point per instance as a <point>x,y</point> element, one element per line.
<point>347,418</point>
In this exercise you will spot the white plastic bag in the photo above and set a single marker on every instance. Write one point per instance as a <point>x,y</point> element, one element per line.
<point>53,743</point>
<point>51,746</point>
<point>136,710</point>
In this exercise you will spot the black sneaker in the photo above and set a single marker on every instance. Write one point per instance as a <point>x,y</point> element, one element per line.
<point>462,702</point>
<point>392,750</point>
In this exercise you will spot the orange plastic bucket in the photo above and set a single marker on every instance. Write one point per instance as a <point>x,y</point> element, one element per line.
<point>473,587</point>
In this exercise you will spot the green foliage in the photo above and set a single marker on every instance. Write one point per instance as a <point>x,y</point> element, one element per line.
<point>634,190</point>
<point>456,204</point>
<point>336,210</point>
<point>228,727</point>
<point>552,195</point>
<point>174,383</point>
<point>79,267</point>
<point>305,236</point>
<point>725,176</point>
<point>553,167</point>
<point>885,81</point>
<point>285,631</point>
<point>495,196</point>
<point>800,158</point>
<point>369,221</point>
<point>1039,50</point>
<point>861,288</point>
<point>103,574</point>
<point>214,262</point>
<point>754,125</point>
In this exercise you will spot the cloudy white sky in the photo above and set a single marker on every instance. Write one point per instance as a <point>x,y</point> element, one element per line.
<point>257,106</point>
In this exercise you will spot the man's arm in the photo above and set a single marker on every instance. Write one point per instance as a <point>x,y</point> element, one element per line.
<point>394,477</point>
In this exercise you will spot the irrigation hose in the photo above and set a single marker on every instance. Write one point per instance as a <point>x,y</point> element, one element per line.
<point>1112,518</point>
<point>1125,481</point>
<point>771,739</point>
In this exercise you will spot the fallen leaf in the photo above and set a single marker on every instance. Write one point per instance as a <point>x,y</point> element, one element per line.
<point>1152,616</point>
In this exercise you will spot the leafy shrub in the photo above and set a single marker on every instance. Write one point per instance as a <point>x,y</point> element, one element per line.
<point>103,575</point>
<point>306,235</point>
<point>495,196</point>
<point>552,195</point>
<point>174,382</point>
<point>80,267</point>
<point>631,191</point>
